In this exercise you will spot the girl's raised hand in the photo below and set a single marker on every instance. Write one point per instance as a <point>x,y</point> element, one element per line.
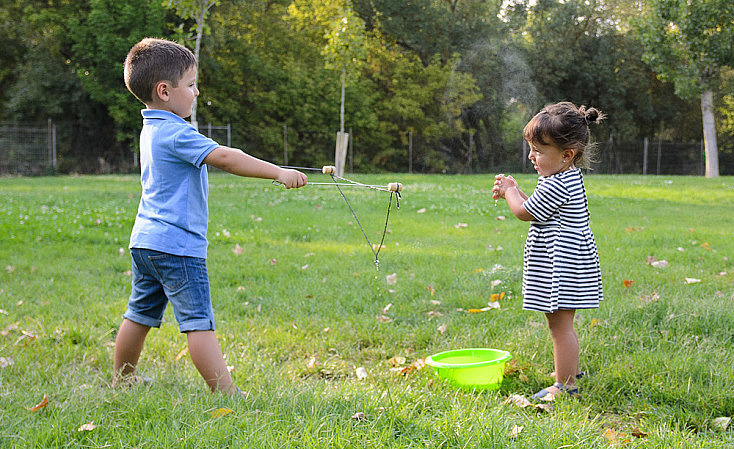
<point>501,184</point>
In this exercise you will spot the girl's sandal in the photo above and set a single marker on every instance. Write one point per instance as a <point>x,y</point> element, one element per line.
<point>579,375</point>
<point>545,395</point>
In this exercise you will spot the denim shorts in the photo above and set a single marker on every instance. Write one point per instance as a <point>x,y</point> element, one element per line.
<point>158,278</point>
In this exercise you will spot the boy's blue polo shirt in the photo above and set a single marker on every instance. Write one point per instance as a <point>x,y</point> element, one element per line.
<point>173,213</point>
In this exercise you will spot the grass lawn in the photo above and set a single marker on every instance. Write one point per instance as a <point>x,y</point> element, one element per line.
<point>300,309</point>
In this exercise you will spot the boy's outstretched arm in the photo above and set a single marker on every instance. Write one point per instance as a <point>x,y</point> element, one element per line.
<point>240,163</point>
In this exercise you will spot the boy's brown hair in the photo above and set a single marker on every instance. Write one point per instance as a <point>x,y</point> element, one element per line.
<point>153,60</point>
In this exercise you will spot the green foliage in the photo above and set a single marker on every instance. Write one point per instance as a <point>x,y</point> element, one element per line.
<point>101,39</point>
<point>449,72</point>
<point>688,43</point>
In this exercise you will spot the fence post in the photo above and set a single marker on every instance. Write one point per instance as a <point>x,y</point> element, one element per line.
<point>229,135</point>
<point>524,156</point>
<point>48,141</point>
<point>471,149</point>
<point>285,144</point>
<point>351,151</point>
<point>644,160</point>
<point>410,151</point>
<point>660,143</point>
<point>53,144</point>
<point>340,153</point>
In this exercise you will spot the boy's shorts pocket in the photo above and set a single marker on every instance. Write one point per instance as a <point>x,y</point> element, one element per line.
<point>171,271</point>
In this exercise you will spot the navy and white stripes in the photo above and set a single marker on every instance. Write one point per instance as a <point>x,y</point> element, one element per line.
<point>561,264</point>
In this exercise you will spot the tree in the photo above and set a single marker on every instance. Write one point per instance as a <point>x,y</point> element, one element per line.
<point>343,50</point>
<point>197,10</point>
<point>689,43</point>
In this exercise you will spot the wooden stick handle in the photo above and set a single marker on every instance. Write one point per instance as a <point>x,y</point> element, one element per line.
<point>394,187</point>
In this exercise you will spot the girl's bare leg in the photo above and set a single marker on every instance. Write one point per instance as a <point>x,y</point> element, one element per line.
<point>565,345</point>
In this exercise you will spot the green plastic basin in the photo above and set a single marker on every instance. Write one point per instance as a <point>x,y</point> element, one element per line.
<point>471,368</point>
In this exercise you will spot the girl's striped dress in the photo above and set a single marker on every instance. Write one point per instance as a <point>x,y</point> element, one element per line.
<point>561,264</point>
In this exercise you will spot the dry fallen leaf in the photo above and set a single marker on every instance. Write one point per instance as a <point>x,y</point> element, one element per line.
<point>238,249</point>
<point>5,362</point>
<point>391,279</point>
<point>180,355</point>
<point>490,306</point>
<point>218,413</point>
<point>721,424</point>
<point>692,281</point>
<point>650,298</point>
<point>461,225</point>
<point>311,363</point>
<point>496,296</point>
<point>516,430</point>
<point>627,283</point>
<point>273,261</point>
<point>433,313</point>
<point>431,289</point>
<point>384,319</point>
<point>40,405</point>
<point>361,373</point>
<point>521,401</point>
<point>660,264</point>
<point>422,210</point>
<point>396,361</point>
<point>518,400</point>
<point>442,328</point>
<point>88,427</point>
<point>25,339</point>
<point>615,437</point>
<point>637,433</point>
<point>359,416</point>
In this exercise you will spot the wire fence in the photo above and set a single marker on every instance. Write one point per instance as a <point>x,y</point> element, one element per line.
<point>27,148</point>
<point>651,157</point>
<point>30,149</point>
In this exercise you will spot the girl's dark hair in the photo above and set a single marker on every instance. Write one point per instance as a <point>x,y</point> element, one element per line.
<point>565,126</point>
<point>153,60</point>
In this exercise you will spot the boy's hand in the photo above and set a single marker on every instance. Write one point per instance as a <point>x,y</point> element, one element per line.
<point>291,178</point>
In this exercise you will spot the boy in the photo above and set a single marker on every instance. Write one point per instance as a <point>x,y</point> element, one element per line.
<point>168,241</point>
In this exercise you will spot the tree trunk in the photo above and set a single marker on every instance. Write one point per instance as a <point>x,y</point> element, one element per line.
<point>204,9</point>
<point>709,135</point>
<point>197,47</point>
<point>341,109</point>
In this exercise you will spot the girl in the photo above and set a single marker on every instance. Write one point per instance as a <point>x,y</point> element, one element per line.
<point>561,267</point>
